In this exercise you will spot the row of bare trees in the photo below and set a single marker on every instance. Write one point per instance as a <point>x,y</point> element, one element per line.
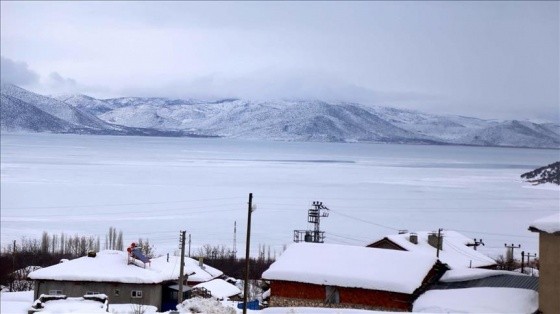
<point>19,258</point>
<point>224,259</point>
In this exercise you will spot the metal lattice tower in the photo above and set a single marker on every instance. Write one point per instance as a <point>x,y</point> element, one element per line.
<point>313,234</point>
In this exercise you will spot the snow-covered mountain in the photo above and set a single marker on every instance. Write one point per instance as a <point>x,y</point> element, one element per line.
<point>74,115</point>
<point>513,133</point>
<point>289,120</point>
<point>322,121</point>
<point>278,120</point>
<point>25,111</point>
<point>18,115</point>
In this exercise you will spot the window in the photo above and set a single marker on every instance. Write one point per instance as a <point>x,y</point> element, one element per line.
<point>55,292</point>
<point>117,292</point>
<point>92,292</point>
<point>136,294</point>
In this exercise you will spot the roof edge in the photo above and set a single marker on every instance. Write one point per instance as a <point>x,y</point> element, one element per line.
<point>535,229</point>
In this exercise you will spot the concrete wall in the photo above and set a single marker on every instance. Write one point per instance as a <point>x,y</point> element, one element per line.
<point>117,293</point>
<point>549,273</point>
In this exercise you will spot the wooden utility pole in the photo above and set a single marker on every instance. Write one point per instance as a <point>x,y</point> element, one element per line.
<point>522,262</point>
<point>13,267</point>
<point>181,268</point>
<point>189,245</point>
<point>234,253</point>
<point>438,241</point>
<point>247,249</point>
<point>510,257</point>
<point>529,255</point>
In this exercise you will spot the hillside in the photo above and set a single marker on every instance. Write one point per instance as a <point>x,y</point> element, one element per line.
<point>25,111</point>
<point>18,115</point>
<point>546,174</point>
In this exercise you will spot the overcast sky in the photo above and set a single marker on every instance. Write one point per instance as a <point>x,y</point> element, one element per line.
<point>485,59</point>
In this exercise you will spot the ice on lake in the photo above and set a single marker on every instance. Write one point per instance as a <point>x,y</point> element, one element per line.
<point>154,187</point>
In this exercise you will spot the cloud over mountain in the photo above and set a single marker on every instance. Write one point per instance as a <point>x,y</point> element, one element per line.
<point>16,72</point>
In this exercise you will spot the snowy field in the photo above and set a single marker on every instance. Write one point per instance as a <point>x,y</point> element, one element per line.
<point>153,187</point>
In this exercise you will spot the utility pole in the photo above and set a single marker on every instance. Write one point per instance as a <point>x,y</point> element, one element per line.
<point>476,243</point>
<point>13,267</point>
<point>529,255</point>
<point>247,249</point>
<point>182,268</point>
<point>189,245</point>
<point>438,241</point>
<point>510,253</point>
<point>234,240</point>
<point>522,262</point>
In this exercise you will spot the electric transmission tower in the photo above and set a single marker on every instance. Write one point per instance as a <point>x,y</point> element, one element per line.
<point>314,216</point>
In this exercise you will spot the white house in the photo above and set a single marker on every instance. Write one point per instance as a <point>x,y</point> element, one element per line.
<point>112,273</point>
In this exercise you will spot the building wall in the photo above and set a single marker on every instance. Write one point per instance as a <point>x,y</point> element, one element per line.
<point>117,293</point>
<point>549,273</point>
<point>284,293</point>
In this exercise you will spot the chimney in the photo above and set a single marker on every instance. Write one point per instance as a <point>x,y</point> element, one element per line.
<point>433,240</point>
<point>201,262</point>
<point>413,238</point>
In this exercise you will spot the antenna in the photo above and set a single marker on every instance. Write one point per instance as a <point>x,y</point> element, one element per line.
<point>314,216</point>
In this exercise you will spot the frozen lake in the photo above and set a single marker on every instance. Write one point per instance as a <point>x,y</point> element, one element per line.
<point>154,187</point>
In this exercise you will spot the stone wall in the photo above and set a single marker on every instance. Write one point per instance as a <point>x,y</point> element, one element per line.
<point>289,302</point>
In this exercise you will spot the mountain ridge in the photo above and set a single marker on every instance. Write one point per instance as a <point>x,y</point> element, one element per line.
<point>285,120</point>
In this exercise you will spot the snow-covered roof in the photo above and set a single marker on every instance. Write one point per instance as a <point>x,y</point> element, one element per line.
<point>351,266</point>
<point>195,273</point>
<point>455,252</point>
<point>464,274</point>
<point>219,288</point>
<point>477,300</point>
<point>112,266</point>
<point>549,224</point>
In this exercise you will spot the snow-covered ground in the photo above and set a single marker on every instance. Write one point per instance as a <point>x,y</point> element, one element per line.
<point>471,300</point>
<point>477,300</point>
<point>20,302</point>
<point>15,302</point>
<point>153,187</point>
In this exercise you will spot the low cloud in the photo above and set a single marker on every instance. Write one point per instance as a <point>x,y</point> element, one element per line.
<point>17,73</point>
<point>61,85</point>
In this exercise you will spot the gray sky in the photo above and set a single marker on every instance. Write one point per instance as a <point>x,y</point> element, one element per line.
<point>485,59</point>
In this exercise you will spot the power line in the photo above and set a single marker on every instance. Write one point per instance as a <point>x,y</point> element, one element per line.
<point>364,221</point>
<point>118,204</point>
<point>496,234</point>
<point>182,212</point>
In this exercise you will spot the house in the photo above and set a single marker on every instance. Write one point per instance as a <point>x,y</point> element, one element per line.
<point>455,249</point>
<point>475,290</point>
<point>331,275</point>
<point>549,262</point>
<point>123,280</point>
